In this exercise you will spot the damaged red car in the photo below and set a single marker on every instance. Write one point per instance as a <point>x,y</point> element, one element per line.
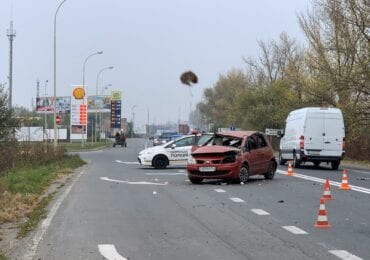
<point>232,156</point>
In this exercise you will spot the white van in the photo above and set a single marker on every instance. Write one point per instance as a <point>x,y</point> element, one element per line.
<point>313,134</point>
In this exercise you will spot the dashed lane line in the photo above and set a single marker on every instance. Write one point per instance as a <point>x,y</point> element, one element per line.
<point>343,254</point>
<point>239,200</point>
<point>310,178</point>
<point>109,252</point>
<point>219,190</point>
<point>295,230</point>
<point>260,212</point>
<point>359,171</point>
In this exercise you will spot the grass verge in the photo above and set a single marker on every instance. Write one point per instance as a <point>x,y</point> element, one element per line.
<point>34,217</point>
<point>357,163</point>
<point>75,147</point>
<point>21,190</point>
<point>2,257</point>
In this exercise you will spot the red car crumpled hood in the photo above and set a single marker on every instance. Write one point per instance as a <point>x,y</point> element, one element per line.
<point>214,149</point>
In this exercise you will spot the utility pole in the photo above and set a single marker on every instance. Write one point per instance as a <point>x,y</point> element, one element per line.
<point>45,115</point>
<point>37,89</point>
<point>11,36</point>
<point>148,124</point>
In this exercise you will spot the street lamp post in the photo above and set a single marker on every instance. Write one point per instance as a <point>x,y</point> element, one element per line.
<point>83,86</point>
<point>101,114</point>
<point>97,90</point>
<point>133,120</point>
<point>55,74</point>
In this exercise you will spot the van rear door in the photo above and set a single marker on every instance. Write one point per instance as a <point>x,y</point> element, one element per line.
<point>333,135</point>
<point>313,133</point>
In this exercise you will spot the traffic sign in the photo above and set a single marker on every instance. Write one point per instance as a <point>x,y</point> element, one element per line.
<point>271,131</point>
<point>58,120</point>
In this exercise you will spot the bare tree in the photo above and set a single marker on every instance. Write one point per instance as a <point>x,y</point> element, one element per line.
<point>338,54</point>
<point>281,60</point>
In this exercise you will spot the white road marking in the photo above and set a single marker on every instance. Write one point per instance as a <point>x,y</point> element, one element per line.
<point>343,254</point>
<point>295,230</point>
<point>133,182</point>
<point>219,190</point>
<point>359,171</point>
<point>110,252</point>
<point>164,173</point>
<point>310,178</point>
<point>237,199</point>
<point>260,212</point>
<point>181,171</point>
<point>154,193</point>
<point>31,251</point>
<point>135,163</point>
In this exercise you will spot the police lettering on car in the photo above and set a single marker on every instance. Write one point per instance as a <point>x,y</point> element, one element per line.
<point>173,153</point>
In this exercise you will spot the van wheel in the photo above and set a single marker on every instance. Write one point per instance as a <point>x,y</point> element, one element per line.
<point>335,165</point>
<point>269,175</point>
<point>160,162</point>
<point>243,174</point>
<point>296,162</point>
<point>281,160</point>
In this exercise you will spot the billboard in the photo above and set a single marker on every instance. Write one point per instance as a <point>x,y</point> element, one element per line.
<point>46,105</point>
<point>78,129</point>
<point>63,105</point>
<point>98,103</point>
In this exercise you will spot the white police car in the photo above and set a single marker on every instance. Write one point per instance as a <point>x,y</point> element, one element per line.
<point>173,153</point>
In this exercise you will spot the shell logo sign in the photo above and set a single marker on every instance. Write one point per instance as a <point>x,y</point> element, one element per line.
<point>79,93</point>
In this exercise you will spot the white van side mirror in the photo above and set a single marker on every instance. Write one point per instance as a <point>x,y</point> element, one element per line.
<point>173,146</point>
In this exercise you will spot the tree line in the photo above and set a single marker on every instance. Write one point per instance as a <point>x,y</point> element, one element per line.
<point>331,69</point>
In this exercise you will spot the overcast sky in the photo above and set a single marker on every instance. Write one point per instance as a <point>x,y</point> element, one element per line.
<point>149,43</point>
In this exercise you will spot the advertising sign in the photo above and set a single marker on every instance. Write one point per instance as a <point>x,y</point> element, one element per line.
<point>98,103</point>
<point>46,105</point>
<point>116,95</point>
<point>63,105</point>
<point>115,117</point>
<point>78,129</point>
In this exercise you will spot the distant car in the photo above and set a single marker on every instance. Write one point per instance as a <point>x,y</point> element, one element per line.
<point>165,137</point>
<point>233,156</point>
<point>173,153</point>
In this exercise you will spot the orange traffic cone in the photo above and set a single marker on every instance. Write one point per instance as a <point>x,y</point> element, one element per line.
<point>327,194</point>
<point>344,185</point>
<point>322,218</point>
<point>290,170</point>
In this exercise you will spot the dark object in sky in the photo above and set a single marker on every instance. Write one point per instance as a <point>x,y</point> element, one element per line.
<point>189,77</point>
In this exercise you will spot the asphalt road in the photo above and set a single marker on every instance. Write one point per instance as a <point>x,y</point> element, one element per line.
<point>116,209</point>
